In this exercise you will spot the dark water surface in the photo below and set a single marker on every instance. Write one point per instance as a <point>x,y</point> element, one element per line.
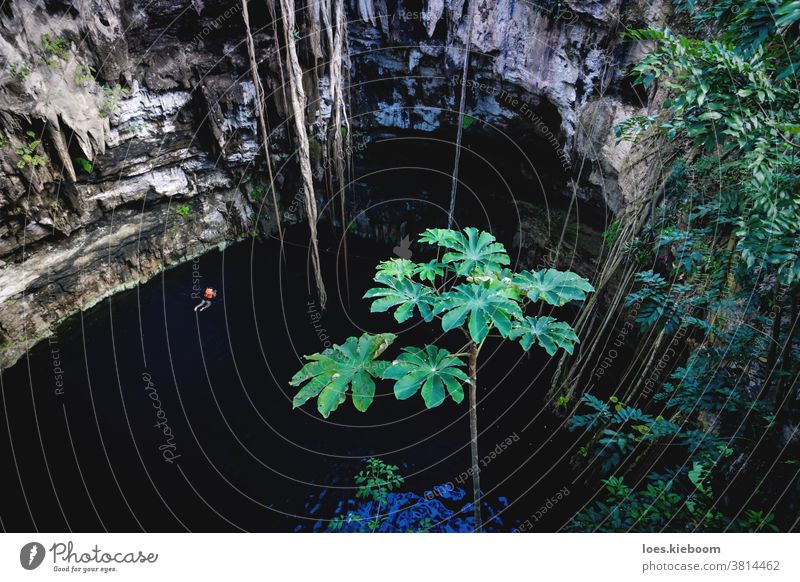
<point>78,434</point>
<point>240,457</point>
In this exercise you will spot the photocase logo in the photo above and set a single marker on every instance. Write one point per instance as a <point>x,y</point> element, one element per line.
<point>403,250</point>
<point>31,555</point>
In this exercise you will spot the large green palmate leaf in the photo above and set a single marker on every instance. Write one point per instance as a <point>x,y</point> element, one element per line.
<point>484,306</point>
<point>469,250</point>
<point>547,332</point>
<point>429,271</point>
<point>553,286</point>
<point>397,268</point>
<point>443,237</point>
<point>432,369</point>
<point>352,365</point>
<point>501,282</point>
<point>403,294</point>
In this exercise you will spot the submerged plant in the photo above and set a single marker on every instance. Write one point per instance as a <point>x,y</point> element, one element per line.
<point>381,506</point>
<point>375,483</point>
<point>468,290</point>
<point>377,480</point>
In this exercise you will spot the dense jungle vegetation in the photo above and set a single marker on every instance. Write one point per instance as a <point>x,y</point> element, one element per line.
<point>713,446</point>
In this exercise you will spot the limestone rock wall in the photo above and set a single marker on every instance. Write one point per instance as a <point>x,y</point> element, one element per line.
<point>137,120</point>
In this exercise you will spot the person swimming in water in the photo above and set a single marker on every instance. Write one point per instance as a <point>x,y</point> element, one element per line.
<point>208,295</point>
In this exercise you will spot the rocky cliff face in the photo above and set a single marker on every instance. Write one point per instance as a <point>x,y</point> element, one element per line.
<point>552,76</point>
<point>129,138</point>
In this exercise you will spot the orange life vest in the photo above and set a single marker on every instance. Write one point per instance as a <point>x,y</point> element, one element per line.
<point>208,293</point>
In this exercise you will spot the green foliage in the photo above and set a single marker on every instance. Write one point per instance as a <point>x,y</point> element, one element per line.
<point>547,332</point>
<point>736,96</point>
<point>403,294</point>
<point>84,74</point>
<point>468,290</point>
<point>483,304</point>
<point>666,306</point>
<point>648,510</point>
<point>470,251</point>
<point>429,271</point>
<point>111,99</point>
<point>433,369</point>
<point>624,429</point>
<point>702,389</point>
<point>611,233</point>
<point>86,165</point>
<point>631,128</point>
<point>133,126</point>
<point>352,365</point>
<point>756,521</point>
<point>552,286</point>
<point>662,505</point>
<point>4,140</point>
<point>20,71</point>
<point>28,153</point>
<point>183,210</point>
<point>257,194</point>
<point>377,480</point>
<point>52,48</point>
<point>374,482</point>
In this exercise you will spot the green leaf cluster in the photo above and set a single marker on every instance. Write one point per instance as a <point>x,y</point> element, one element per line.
<point>28,153</point>
<point>467,288</point>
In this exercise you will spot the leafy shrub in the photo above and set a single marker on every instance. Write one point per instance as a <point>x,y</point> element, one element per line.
<point>111,100</point>
<point>28,153</point>
<point>84,74</point>
<point>51,48</point>
<point>20,71</point>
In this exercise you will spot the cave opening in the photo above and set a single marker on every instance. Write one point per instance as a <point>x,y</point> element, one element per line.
<point>401,182</point>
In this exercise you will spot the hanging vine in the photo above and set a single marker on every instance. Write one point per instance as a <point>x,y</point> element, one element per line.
<point>262,123</point>
<point>297,101</point>
<point>336,32</point>
<point>461,105</point>
<point>613,284</point>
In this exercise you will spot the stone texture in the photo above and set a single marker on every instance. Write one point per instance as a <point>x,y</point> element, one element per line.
<point>185,133</point>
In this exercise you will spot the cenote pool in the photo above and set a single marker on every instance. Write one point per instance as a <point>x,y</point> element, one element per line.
<point>141,414</point>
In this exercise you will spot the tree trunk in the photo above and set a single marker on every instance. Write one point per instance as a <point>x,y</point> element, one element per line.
<point>473,434</point>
